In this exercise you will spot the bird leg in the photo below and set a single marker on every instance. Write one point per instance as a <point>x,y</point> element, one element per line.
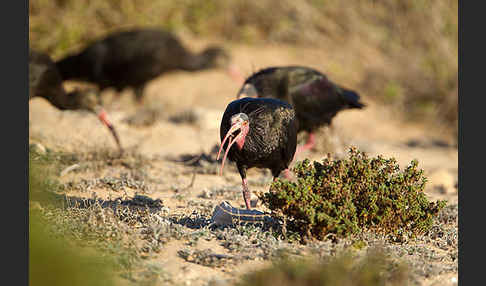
<point>311,142</point>
<point>139,94</point>
<point>338,143</point>
<point>246,193</point>
<point>286,174</point>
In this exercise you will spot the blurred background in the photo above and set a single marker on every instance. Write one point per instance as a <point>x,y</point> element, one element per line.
<point>402,53</point>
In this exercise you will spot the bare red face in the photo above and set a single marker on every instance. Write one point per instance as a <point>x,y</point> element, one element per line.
<point>239,122</point>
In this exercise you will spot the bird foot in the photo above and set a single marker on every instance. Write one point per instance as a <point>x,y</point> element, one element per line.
<point>287,174</point>
<point>311,142</point>
<point>254,202</point>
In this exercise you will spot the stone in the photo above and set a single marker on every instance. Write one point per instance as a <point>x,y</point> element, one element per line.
<point>37,148</point>
<point>225,214</point>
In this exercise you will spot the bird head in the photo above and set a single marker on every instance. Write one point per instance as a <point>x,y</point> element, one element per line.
<point>86,99</point>
<point>216,57</point>
<point>240,126</point>
<point>248,90</point>
<point>219,58</point>
<point>89,100</point>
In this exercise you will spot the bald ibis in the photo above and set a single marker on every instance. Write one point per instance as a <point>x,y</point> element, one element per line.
<point>258,132</point>
<point>45,81</point>
<point>315,98</point>
<point>131,58</point>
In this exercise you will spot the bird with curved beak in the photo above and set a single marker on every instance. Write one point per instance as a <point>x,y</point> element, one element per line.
<point>130,58</point>
<point>264,132</point>
<point>45,81</point>
<point>315,98</point>
<point>240,125</point>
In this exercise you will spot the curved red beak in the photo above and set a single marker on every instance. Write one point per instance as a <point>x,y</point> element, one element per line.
<point>230,134</point>
<point>103,117</point>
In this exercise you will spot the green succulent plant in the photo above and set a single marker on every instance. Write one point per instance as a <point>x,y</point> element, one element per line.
<point>349,195</point>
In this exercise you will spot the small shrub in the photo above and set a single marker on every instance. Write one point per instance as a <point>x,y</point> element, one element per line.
<point>346,196</point>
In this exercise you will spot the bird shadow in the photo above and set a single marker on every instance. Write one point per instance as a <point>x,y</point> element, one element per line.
<point>139,206</point>
<point>205,221</point>
<point>192,221</point>
<point>136,203</point>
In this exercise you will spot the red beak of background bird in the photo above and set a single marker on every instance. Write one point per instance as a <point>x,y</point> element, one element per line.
<point>238,124</point>
<point>235,74</point>
<point>103,117</point>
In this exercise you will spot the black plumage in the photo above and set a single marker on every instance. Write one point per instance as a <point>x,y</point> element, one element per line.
<point>45,81</point>
<point>131,58</point>
<point>315,98</point>
<point>265,133</point>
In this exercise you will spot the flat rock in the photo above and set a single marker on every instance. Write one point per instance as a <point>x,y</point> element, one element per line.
<point>37,148</point>
<point>225,214</point>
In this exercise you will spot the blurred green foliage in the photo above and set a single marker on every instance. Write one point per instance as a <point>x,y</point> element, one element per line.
<point>55,260</point>
<point>374,269</point>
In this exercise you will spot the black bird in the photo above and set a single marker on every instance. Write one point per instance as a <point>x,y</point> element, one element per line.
<point>131,58</point>
<point>315,98</point>
<point>45,81</point>
<point>265,133</point>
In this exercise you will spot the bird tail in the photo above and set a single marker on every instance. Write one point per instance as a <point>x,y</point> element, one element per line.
<point>352,98</point>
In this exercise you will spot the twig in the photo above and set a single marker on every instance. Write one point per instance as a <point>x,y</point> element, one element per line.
<point>192,180</point>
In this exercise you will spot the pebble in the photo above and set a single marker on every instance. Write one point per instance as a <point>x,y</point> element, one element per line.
<point>224,214</point>
<point>37,148</point>
<point>206,194</point>
<point>69,169</point>
<point>35,206</point>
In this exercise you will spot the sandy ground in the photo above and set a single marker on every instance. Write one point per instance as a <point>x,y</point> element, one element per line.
<point>374,129</point>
